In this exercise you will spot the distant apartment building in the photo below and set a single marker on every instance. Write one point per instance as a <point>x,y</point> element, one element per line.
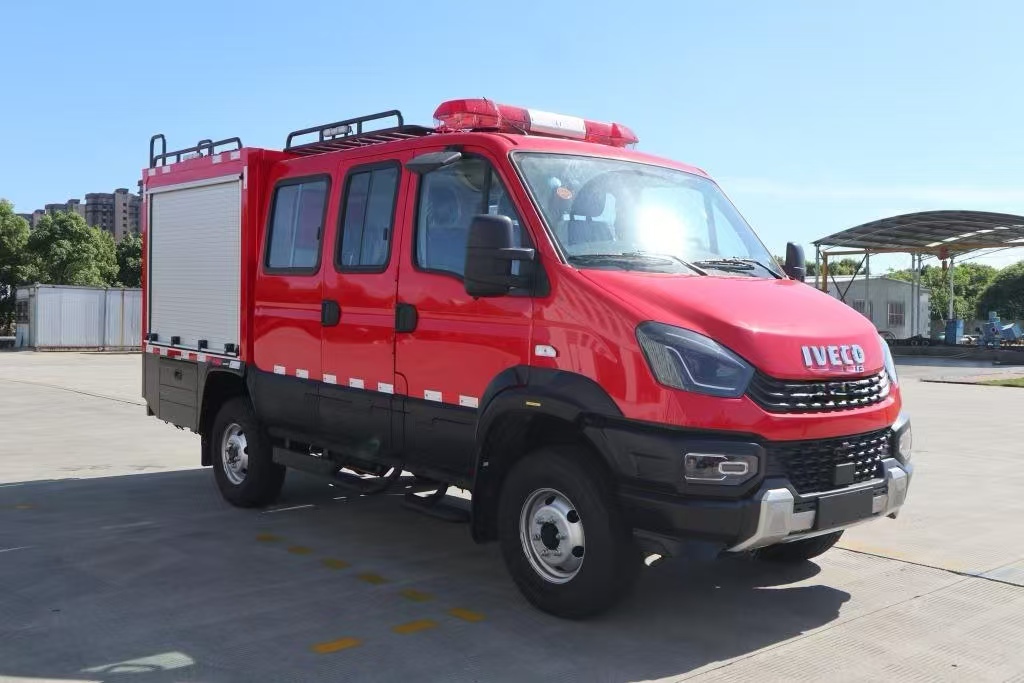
<point>116,212</point>
<point>37,216</point>
<point>28,218</point>
<point>70,206</point>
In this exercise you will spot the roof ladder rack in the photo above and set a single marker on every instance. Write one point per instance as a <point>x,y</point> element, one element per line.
<point>205,147</point>
<point>350,133</point>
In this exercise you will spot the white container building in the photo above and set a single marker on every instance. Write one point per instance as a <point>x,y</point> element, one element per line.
<point>886,302</point>
<point>54,317</point>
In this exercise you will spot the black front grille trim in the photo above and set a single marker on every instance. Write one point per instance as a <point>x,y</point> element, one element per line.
<point>816,396</point>
<point>810,465</point>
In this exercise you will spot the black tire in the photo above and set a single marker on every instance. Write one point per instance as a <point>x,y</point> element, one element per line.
<point>798,551</point>
<point>263,477</point>
<point>611,560</point>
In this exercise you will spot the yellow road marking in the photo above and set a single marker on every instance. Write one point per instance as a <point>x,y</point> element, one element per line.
<point>23,506</point>
<point>414,626</point>
<point>332,563</point>
<point>267,538</point>
<point>465,614</point>
<point>370,577</point>
<point>415,595</point>
<point>299,550</point>
<point>335,645</point>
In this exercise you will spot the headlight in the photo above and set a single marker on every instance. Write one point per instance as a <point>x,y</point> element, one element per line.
<point>890,364</point>
<point>686,360</point>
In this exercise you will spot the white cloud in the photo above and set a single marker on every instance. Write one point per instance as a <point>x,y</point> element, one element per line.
<point>955,195</point>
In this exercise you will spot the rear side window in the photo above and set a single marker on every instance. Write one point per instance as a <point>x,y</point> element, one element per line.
<point>367,217</point>
<point>296,225</point>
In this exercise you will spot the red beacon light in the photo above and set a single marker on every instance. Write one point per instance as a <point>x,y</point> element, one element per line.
<point>480,114</point>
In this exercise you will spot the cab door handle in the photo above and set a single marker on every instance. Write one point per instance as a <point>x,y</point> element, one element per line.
<point>330,313</point>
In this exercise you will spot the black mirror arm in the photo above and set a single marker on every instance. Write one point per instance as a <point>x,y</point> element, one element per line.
<point>516,254</point>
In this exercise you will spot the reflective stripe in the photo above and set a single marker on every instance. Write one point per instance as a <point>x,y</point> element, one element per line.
<point>302,373</point>
<point>356,383</point>
<point>330,379</point>
<point>432,395</point>
<point>469,401</point>
<point>385,388</point>
<point>278,369</point>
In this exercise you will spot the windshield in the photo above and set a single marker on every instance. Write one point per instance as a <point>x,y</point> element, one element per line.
<point>608,213</point>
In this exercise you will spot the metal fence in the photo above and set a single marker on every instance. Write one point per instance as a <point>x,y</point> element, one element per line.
<point>60,317</point>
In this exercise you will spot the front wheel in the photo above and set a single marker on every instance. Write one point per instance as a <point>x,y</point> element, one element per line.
<point>798,551</point>
<point>563,537</point>
<point>243,465</point>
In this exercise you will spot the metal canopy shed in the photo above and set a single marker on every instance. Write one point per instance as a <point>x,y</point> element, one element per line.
<point>942,234</point>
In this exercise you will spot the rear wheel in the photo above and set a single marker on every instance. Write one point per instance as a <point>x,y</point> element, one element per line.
<point>562,535</point>
<point>798,551</point>
<point>243,466</point>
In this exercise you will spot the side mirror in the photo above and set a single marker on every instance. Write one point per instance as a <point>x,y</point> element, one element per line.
<point>796,266</point>
<point>489,256</point>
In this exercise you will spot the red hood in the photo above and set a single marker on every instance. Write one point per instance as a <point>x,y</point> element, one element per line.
<point>767,321</point>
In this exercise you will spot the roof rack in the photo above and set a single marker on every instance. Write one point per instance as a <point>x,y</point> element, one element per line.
<point>207,146</point>
<point>349,134</point>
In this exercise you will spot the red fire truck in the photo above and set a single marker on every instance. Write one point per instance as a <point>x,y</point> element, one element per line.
<point>590,340</point>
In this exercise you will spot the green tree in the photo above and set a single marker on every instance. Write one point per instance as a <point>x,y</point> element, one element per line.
<point>63,250</point>
<point>1004,294</point>
<point>129,261</point>
<point>14,232</point>
<point>969,280</point>
<point>847,266</point>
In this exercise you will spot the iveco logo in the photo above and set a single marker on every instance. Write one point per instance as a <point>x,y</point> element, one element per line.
<point>846,357</point>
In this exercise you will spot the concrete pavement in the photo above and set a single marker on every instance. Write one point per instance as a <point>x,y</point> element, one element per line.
<point>120,562</point>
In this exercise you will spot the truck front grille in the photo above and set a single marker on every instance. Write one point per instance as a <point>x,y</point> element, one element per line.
<point>790,396</point>
<point>811,465</point>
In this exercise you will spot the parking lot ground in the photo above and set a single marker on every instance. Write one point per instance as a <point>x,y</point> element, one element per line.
<point>120,562</point>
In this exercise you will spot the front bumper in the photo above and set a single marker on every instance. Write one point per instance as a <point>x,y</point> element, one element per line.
<point>668,514</point>
<point>779,522</point>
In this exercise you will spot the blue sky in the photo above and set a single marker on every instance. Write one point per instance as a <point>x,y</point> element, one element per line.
<point>814,116</point>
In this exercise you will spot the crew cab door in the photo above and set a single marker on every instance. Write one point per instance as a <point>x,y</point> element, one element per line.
<point>449,346</point>
<point>286,319</point>
<point>358,309</point>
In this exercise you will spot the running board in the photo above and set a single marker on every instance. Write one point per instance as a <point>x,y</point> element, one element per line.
<point>438,505</point>
<point>331,470</point>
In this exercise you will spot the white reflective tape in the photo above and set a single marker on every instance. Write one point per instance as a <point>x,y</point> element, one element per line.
<point>152,171</point>
<point>385,388</point>
<point>330,379</point>
<point>165,169</point>
<point>545,351</point>
<point>235,155</point>
<point>200,357</point>
<point>245,178</point>
<point>356,383</point>
<point>557,124</point>
<point>432,395</point>
<point>235,364</point>
<point>278,369</point>
<point>215,158</point>
<point>469,401</point>
<point>302,373</point>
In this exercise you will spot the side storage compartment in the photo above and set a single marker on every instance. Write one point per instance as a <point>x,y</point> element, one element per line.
<point>172,390</point>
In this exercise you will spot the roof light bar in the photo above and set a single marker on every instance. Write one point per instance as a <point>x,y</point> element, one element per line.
<point>481,114</point>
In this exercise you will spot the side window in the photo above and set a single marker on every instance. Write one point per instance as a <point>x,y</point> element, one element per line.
<point>448,199</point>
<point>367,216</point>
<point>296,225</point>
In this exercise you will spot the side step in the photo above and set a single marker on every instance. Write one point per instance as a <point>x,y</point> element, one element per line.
<point>439,505</point>
<point>329,469</point>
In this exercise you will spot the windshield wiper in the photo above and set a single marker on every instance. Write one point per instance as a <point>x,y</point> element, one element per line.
<point>692,266</point>
<point>736,263</point>
<point>632,258</point>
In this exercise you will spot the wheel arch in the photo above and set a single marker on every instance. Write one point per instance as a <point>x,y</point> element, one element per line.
<point>525,408</point>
